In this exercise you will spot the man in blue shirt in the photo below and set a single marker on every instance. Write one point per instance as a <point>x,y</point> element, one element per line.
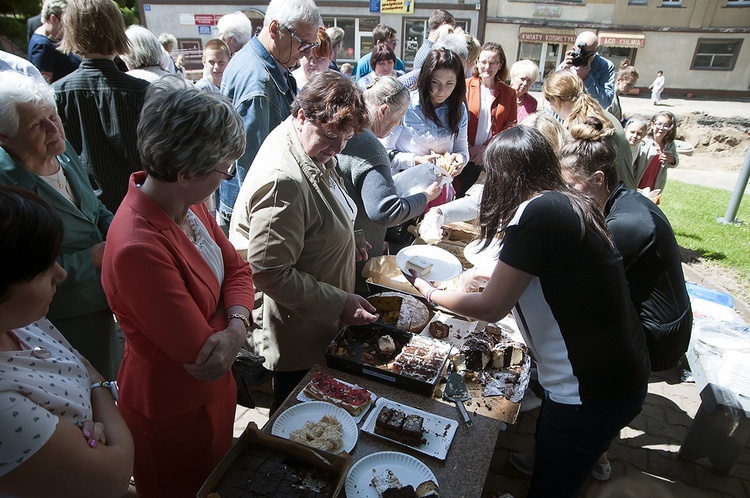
<point>380,34</point>
<point>258,82</point>
<point>598,74</point>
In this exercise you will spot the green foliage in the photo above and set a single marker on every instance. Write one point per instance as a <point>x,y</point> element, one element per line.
<point>15,29</point>
<point>130,16</point>
<point>21,9</point>
<point>692,210</point>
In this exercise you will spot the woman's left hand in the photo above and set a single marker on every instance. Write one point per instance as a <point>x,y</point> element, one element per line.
<point>422,285</point>
<point>94,433</point>
<point>218,353</point>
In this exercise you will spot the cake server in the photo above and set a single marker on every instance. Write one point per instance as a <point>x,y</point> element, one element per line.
<point>455,391</point>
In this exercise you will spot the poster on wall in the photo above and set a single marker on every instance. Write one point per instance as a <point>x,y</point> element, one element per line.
<point>396,6</point>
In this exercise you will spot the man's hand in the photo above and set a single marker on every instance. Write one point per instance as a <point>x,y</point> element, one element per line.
<point>97,253</point>
<point>358,311</point>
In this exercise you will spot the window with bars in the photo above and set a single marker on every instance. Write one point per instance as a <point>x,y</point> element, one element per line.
<point>717,55</point>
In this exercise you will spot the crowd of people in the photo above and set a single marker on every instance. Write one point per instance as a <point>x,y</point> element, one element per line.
<point>128,209</point>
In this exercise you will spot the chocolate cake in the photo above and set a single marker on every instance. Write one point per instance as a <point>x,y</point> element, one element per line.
<point>439,330</point>
<point>477,354</point>
<point>412,430</point>
<point>395,424</point>
<point>405,492</point>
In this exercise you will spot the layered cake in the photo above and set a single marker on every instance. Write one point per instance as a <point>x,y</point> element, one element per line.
<point>477,354</point>
<point>324,387</point>
<point>419,264</point>
<point>396,425</point>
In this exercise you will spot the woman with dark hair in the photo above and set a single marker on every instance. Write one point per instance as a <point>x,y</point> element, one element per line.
<point>296,221</point>
<point>179,290</point>
<point>382,61</point>
<point>61,435</point>
<point>645,240</point>
<point>436,121</point>
<point>492,108</point>
<point>562,277</point>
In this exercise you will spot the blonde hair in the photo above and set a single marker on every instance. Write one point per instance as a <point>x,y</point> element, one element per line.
<point>551,128</point>
<point>565,86</point>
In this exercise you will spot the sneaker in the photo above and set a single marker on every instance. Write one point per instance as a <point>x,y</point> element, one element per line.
<point>523,462</point>
<point>602,471</point>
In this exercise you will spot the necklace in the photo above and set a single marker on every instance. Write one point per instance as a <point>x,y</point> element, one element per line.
<point>59,176</point>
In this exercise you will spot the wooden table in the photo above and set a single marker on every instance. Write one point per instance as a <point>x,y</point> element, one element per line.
<point>462,473</point>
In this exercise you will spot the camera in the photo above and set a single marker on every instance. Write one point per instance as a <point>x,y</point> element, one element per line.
<point>580,57</point>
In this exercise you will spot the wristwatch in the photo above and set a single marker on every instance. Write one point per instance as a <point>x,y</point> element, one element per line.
<point>242,317</point>
<point>109,384</point>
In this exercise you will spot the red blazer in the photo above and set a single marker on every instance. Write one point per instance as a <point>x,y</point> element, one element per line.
<point>503,107</point>
<point>168,302</point>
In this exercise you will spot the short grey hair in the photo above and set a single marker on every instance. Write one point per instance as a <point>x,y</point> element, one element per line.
<point>235,25</point>
<point>167,39</point>
<point>289,13</point>
<point>456,43</point>
<point>17,89</point>
<point>56,7</point>
<point>524,68</point>
<point>385,90</point>
<point>336,34</point>
<point>186,130</point>
<point>145,49</point>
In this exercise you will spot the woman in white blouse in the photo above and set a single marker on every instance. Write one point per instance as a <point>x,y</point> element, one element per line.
<point>61,432</point>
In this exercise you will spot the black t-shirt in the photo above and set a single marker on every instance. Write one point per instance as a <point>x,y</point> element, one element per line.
<point>653,268</point>
<point>576,314</point>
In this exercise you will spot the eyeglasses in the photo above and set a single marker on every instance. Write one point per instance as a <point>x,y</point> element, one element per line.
<point>489,63</point>
<point>228,175</point>
<point>303,45</point>
<point>663,126</point>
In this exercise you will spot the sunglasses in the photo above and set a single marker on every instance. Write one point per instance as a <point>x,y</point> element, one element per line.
<point>303,45</point>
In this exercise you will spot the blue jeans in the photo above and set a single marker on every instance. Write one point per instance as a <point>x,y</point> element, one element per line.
<point>571,438</point>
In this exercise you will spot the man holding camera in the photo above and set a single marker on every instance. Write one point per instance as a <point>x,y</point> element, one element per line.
<point>597,73</point>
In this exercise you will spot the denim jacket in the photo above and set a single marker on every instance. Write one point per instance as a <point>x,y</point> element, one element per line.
<point>419,136</point>
<point>601,80</point>
<point>261,94</point>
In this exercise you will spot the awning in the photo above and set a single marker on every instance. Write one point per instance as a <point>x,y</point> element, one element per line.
<point>552,35</point>
<point>630,39</point>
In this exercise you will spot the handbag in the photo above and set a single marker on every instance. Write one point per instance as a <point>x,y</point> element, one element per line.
<point>248,371</point>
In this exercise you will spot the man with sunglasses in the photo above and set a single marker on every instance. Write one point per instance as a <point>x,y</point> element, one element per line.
<point>258,82</point>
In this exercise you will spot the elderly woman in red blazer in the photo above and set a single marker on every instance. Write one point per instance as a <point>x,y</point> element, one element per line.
<point>180,291</point>
<point>492,108</point>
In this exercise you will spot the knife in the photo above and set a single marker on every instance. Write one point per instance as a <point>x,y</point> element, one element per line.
<point>455,391</point>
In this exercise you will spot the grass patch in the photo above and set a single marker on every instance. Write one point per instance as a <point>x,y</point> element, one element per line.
<point>692,210</point>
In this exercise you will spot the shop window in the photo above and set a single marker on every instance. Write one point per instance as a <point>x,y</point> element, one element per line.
<point>618,54</point>
<point>349,25</point>
<point>738,3</point>
<point>415,31</point>
<point>671,3</point>
<point>717,55</point>
<point>637,2</point>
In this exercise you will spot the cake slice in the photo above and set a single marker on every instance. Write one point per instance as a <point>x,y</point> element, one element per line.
<point>421,265</point>
<point>386,480</point>
<point>412,430</point>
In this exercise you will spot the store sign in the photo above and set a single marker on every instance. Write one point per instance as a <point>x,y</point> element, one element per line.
<point>396,6</point>
<point>546,37</point>
<point>200,19</point>
<point>204,30</point>
<point>623,41</point>
<point>374,5</point>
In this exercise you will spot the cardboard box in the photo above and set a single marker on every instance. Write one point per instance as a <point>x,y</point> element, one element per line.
<point>346,350</point>
<point>338,464</point>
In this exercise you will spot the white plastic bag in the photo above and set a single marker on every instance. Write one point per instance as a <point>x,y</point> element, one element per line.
<point>415,180</point>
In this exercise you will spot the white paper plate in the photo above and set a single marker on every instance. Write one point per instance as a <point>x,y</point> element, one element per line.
<point>408,469</point>
<point>438,431</point>
<point>445,265</point>
<point>295,417</point>
<point>303,398</point>
<point>482,258</point>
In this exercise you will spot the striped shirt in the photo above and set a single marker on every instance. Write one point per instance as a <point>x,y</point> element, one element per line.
<point>99,106</point>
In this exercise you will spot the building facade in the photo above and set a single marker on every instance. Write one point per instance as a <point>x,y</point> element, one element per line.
<point>703,46</point>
